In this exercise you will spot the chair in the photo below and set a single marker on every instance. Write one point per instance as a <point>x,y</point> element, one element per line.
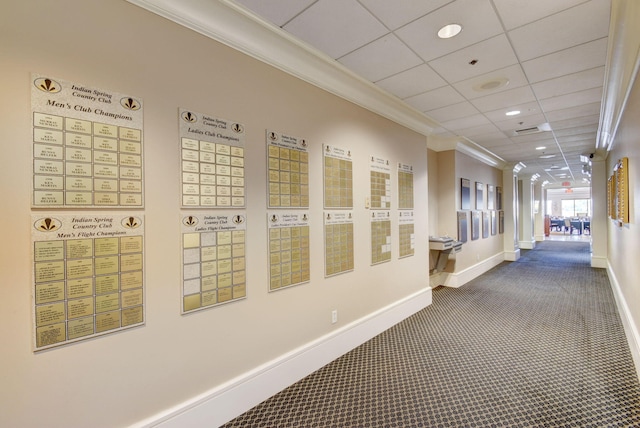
<point>567,225</point>
<point>587,227</point>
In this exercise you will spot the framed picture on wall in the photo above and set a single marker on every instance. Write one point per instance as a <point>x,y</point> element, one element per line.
<point>490,197</point>
<point>462,226</point>
<point>465,194</point>
<point>485,224</point>
<point>479,195</point>
<point>498,198</point>
<point>494,223</point>
<point>475,225</point>
<point>500,222</point>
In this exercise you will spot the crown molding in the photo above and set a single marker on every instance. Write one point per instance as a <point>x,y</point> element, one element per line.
<point>623,62</point>
<point>468,147</point>
<point>239,29</point>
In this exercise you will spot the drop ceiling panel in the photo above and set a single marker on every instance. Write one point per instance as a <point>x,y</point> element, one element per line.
<point>477,17</point>
<point>574,82</point>
<point>479,131</point>
<point>454,111</point>
<point>492,54</point>
<point>583,23</point>
<point>416,80</point>
<point>526,109</point>
<point>278,12</point>
<point>393,16</point>
<point>504,79</point>
<point>466,122</point>
<point>572,100</point>
<point>576,130</point>
<point>381,58</point>
<point>568,61</point>
<point>579,111</point>
<point>574,122</point>
<point>441,97</point>
<point>504,99</point>
<point>336,27</point>
<point>515,13</point>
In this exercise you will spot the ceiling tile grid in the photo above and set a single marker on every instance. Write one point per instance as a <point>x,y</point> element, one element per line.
<point>544,58</point>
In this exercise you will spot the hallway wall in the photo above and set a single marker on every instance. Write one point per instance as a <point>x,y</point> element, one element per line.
<point>174,360</point>
<point>624,241</point>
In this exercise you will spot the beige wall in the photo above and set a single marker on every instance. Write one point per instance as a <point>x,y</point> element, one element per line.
<point>482,248</point>
<point>122,378</point>
<point>446,169</point>
<point>624,242</point>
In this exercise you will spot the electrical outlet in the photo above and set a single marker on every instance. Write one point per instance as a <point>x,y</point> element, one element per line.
<point>334,316</point>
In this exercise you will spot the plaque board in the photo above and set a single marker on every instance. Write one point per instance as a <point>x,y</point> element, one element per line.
<point>494,222</point>
<point>479,195</point>
<point>380,183</point>
<point>406,234</point>
<point>87,146</point>
<point>405,186</point>
<point>213,259</point>
<point>380,237</point>
<point>475,225</point>
<point>485,224</point>
<point>338,177</point>
<point>289,258</point>
<point>338,242</point>
<point>211,161</point>
<point>287,170</point>
<point>88,276</point>
<point>465,194</point>
<point>462,226</point>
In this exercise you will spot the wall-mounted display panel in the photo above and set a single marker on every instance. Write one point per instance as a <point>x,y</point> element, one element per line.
<point>463,226</point>
<point>621,194</point>
<point>465,194</point>
<point>498,198</point>
<point>405,187</point>
<point>479,195</point>
<point>289,256</point>
<point>494,222</point>
<point>475,224</point>
<point>288,171</point>
<point>406,234</point>
<point>500,222</point>
<point>338,177</point>
<point>490,197</point>
<point>380,183</point>
<point>485,224</point>
<point>213,259</point>
<point>88,276</point>
<point>380,237</point>
<point>87,146</point>
<point>338,242</point>
<point>211,161</point>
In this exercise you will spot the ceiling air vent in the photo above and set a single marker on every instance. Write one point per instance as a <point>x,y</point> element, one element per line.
<point>532,129</point>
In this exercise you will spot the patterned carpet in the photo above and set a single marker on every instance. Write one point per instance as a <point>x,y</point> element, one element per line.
<point>532,343</point>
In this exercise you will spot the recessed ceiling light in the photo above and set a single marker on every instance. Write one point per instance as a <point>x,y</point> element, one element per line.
<point>512,112</point>
<point>449,31</point>
<point>540,148</point>
<point>547,156</point>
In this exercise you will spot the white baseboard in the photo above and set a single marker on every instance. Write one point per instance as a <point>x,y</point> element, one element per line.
<point>458,279</point>
<point>224,402</point>
<point>527,245</point>
<point>599,262</point>
<point>633,336</point>
<point>512,256</point>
